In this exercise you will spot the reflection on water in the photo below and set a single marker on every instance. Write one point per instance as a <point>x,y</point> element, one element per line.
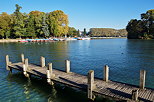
<point>124,57</point>
<point>35,89</point>
<point>27,91</point>
<point>53,95</point>
<point>140,55</point>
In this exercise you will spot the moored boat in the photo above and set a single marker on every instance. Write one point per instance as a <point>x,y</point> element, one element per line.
<point>56,39</point>
<point>86,38</point>
<point>23,41</point>
<point>67,39</point>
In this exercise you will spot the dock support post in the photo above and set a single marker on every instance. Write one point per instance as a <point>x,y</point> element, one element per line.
<point>67,66</point>
<point>26,63</point>
<point>135,95</point>
<point>49,74</point>
<point>142,79</point>
<point>22,58</point>
<point>25,68</point>
<point>90,84</point>
<point>42,61</point>
<point>7,62</point>
<point>106,73</point>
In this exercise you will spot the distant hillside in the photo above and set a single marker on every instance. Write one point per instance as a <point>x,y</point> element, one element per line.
<point>107,32</point>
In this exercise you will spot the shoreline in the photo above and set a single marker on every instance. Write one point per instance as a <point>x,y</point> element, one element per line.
<point>106,37</point>
<point>9,40</point>
<point>17,40</point>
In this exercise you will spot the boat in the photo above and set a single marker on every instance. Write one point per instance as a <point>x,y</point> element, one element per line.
<point>29,40</point>
<point>61,39</point>
<point>68,39</point>
<point>55,39</point>
<point>86,38</point>
<point>23,41</point>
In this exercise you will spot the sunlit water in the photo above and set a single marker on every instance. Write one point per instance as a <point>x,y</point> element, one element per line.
<point>124,57</point>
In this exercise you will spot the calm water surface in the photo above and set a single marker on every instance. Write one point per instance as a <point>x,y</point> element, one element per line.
<point>124,57</point>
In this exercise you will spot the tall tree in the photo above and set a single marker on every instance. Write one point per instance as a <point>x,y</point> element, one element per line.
<point>58,23</point>
<point>38,22</point>
<point>30,27</point>
<point>18,22</point>
<point>78,33</point>
<point>84,32</point>
<point>142,29</point>
<point>72,32</point>
<point>45,27</point>
<point>5,25</point>
<point>34,24</point>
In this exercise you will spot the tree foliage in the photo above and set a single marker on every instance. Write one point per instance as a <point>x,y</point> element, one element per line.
<point>84,32</point>
<point>38,21</point>
<point>5,24</point>
<point>78,33</point>
<point>58,22</point>
<point>72,32</point>
<point>30,27</point>
<point>142,29</point>
<point>45,27</point>
<point>34,24</point>
<point>18,22</point>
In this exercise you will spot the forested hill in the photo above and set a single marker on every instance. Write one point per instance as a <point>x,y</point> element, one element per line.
<point>143,28</point>
<point>108,32</point>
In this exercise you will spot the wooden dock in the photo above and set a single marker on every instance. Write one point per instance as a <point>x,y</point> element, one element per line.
<point>106,88</point>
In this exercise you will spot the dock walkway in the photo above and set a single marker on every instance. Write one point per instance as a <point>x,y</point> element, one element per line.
<point>104,87</point>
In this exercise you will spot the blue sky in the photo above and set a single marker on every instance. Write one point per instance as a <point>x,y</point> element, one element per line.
<point>86,13</point>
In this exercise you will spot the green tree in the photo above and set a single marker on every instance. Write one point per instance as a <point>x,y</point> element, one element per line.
<point>18,22</point>
<point>78,32</point>
<point>142,29</point>
<point>72,32</point>
<point>34,24</point>
<point>45,27</point>
<point>38,22</point>
<point>58,23</point>
<point>5,25</point>
<point>84,32</point>
<point>30,27</point>
<point>134,28</point>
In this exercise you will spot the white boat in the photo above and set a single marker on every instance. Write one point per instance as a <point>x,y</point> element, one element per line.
<point>61,39</point>
<point>70,39</point>
<point>85,38</point>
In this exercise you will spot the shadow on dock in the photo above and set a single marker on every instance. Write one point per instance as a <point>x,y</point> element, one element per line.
<point>116,92</point>
<point>74,83</point>
<point>56,93</point>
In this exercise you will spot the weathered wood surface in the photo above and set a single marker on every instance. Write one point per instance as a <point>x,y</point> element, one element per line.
<point>108,89</point>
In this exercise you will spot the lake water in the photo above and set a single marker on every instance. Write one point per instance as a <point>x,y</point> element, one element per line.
<point>125,59</point>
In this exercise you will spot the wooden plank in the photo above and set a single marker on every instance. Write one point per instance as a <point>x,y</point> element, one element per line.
<point>126,89</point>
<point>151,96</point>
<point>116,89</point>
<point>140,93</point>
<point>110,89</point>
<point>146,94</point>
<point>119,89</point>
